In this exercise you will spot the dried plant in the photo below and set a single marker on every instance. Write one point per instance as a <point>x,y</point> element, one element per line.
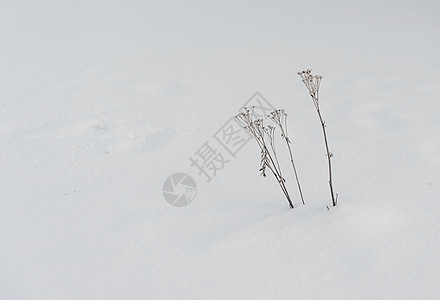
<point>312,84</point>
<point>279,117</point>
<point>269,157</point>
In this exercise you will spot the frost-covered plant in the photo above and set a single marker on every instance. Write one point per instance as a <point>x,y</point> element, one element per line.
<point>262,135</point>
<point>279,117</point>
<point>312,84</point>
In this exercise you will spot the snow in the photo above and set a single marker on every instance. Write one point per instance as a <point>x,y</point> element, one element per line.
<point>101,101</point>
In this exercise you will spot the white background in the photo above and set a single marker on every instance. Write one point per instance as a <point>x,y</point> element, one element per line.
<point>100,101</point>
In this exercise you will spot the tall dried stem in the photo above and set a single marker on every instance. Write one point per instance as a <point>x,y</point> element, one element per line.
<point>279,117</point>
<point>268,159</point>
<point>312,84</point>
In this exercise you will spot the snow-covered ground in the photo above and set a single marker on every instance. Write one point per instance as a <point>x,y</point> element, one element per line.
<point>101,101</point>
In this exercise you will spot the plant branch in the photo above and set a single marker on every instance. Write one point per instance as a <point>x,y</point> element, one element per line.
<point>279,117</point>
<point>258,131</point>
<point>312,84</point>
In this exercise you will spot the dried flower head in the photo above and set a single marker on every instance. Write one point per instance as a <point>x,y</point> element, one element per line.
<point>264,136</point>
<point>312,84</point>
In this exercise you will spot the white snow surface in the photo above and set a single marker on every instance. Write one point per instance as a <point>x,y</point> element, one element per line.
<point>100,101</point>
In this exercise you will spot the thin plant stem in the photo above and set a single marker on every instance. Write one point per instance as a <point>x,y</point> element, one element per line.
<point>329,156</point>
<point>280,178</point>
<point>313,83</point>
<point>294,171</point>
<point>258,131</point>
<point>278,116</point>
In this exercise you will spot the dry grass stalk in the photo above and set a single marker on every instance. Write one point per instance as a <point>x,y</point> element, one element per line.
<point>312,84</point>
<point>269,157</point>
<point>279,117</point>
